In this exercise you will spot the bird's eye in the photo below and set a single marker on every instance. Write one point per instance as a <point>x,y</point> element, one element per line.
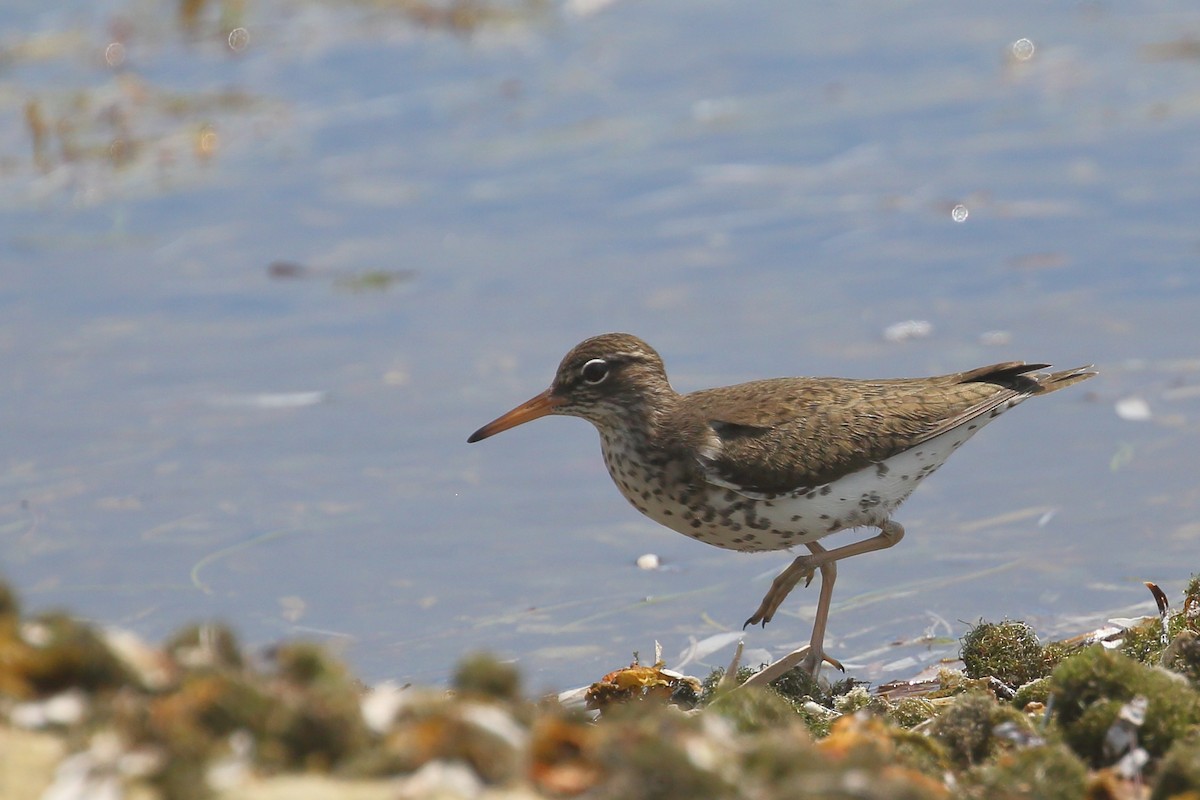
<point>595,371</point>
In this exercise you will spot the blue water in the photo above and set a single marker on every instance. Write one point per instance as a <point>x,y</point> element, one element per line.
<point>756,190</point>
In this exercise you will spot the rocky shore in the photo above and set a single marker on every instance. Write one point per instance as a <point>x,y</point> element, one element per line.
<point>91,713</point>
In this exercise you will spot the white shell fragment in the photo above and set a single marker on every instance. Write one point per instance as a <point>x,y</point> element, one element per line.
<point>648,561</point>
<point>1134,409</point>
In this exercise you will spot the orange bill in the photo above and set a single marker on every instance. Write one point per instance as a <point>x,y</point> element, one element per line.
<point>539,406</point>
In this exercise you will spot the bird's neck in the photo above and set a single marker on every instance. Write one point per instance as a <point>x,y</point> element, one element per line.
<point>641,424</point>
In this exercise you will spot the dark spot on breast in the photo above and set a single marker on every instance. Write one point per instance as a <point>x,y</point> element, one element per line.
<point>826,489</point>
<point>796,517</point>
<point>864,503</point>
<point>881,469</point>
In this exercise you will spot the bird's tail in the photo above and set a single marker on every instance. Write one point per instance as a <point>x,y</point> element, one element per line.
<point>1053,381</point>
<point>1024,378</point>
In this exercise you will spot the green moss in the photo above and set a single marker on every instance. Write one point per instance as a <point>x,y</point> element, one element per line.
<point>645,758</point>
<point>912,711</point>
<point>206,644</point>
<point>709,686</point>
<point>966,728</point>
<point>315,720</point>
<point>923,753</point>
<point>754,708</point>
<point>1037,691</point>
<point>193,721</point>
<point>1044,772</point>
<point>1144,642</point>
<point>309,664</point>
<point>63,653</point>
<point>864,757</point>
<point>952,683</point>
<point>1090,688</point>
<point>773,755</point>
<point>1009,651</point>
<point>184,779</point>
<point>798,686</point>
<point>1179,772</point>
<point>858,698</point>
<point>10,607</point>
<point>1183,656</point>
<point>316,731</point>
<point>306,716</point>
<point>1191,597</point>
<point>1053,654</point>
<point>482,674</point>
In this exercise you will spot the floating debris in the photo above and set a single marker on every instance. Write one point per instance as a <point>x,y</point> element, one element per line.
<point>637,683</point>
<point>648,561</point>
<point>375,280</point>
<point>1134,409</point>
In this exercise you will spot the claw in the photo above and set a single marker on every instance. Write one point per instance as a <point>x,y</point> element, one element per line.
<point>756,619</point>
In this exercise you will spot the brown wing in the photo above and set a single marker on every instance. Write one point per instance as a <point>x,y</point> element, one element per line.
<point>791,433</point>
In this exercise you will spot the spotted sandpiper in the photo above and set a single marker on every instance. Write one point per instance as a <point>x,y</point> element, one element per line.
<point>770,464</point>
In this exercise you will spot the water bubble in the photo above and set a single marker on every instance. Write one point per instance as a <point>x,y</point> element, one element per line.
<point>114,54</point>
<point>239,38</point>
<point>1022,49</point>
<point>959,213</point>
<point>206,141</point>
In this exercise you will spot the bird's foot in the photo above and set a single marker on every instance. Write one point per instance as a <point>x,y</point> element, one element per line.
<point>781,587</point>
<point>802,658</point>
<point>811,663</point>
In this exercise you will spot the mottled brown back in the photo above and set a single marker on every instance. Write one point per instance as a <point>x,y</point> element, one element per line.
<point>783,434</point>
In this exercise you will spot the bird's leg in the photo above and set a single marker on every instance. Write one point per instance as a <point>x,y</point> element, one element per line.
<point>805,567</point>
<point>816,653</point>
